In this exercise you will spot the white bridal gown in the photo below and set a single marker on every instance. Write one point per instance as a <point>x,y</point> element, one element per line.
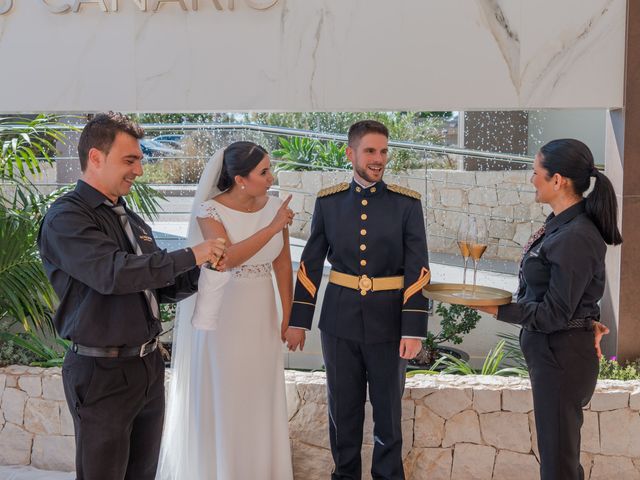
<point>237,400</point>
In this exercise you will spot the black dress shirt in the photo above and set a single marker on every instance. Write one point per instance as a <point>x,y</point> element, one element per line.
<point>365,231</point>
<point>562,275</point>
<point>99,279</point>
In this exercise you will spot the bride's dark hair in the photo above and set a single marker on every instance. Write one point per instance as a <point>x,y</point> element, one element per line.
<point>239,159</point>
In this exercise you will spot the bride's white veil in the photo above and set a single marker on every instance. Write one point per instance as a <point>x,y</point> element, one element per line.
<point>180,426</point>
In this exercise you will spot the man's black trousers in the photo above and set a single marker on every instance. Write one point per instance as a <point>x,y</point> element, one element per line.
<point>117,406</point>
<point>350,366</point>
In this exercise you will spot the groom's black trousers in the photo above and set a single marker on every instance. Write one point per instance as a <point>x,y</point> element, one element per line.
<point>117,406</point>
<point>350,366</point>
<point>563,368</point>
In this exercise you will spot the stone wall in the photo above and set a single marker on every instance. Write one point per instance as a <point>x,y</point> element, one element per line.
<point>454,427</point>
<point>504,199</point>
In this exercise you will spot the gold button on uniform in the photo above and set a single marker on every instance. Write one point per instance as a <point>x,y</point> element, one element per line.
<point>363,262</point>
<point>373,189</point>
<point>358,189</point>
<point>364,202</point>
<point>363,247</point>
<point>363,232</point>
<point>363,216</point>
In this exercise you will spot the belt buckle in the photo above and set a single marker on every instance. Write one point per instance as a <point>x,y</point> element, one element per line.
<point>143,348</point>
<point>364,284</point>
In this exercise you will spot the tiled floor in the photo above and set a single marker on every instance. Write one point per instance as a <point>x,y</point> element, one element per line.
<point>29,473</point>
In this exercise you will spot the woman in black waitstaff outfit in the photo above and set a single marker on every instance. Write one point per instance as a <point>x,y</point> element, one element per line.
<point>562,276</point>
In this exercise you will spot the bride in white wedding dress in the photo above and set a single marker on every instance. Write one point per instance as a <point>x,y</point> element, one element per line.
<point>226,414</point>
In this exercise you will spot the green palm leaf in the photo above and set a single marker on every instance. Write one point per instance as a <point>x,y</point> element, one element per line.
<point>25,293</point>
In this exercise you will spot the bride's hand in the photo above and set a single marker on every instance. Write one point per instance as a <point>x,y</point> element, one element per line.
<point>284,216</point>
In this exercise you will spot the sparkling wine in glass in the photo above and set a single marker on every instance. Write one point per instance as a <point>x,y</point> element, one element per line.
<point>478,242</point>
<point>463,245</point>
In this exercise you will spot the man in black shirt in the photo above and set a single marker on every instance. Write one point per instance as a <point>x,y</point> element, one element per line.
<point>110,276</point>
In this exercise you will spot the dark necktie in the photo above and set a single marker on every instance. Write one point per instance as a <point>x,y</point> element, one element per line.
<point>126,226</point>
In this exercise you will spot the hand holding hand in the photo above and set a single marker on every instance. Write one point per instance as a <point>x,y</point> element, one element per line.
<point>410,347</point>
<point>599,331</point>
<point>284,216</point>
<point>295,338</point>
<point>212,250</point>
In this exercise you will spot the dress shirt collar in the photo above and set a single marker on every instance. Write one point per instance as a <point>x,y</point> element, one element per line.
<point>91,196</point>
<point>370,191</point>
<point>554,221</point>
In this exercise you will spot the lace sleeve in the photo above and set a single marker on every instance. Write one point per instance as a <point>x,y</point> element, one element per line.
<point>208,210</point>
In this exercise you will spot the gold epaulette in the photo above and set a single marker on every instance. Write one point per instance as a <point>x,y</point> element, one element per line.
<point>341,187</point>
<point>403,191</point>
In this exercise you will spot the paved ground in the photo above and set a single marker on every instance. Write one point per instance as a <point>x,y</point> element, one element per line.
<point>29,473</point>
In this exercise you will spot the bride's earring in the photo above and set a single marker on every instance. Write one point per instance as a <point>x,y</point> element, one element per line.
<point>242,187</point>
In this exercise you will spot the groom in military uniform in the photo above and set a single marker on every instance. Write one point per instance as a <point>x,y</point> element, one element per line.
<point>373,316</point>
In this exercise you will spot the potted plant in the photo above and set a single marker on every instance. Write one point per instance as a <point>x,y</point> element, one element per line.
<point>457,320</point>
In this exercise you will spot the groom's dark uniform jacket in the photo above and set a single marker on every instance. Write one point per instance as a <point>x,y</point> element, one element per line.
<point>375,241</point>
<point>377,232</point>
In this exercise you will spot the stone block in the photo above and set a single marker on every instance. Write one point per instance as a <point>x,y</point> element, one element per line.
<point>501,230</point>
<point>311,182</point>
<point>586,460</point>
<point>407,437</point>
<point>421,392</point>
<point>506,430</point>
<point>504,212</point>
<point>485,401</point>
<point>314,393</point>
<point>310,461</point>
<point>486,179</point>
<point>428,428</point>
<point>449,401</point>
<point>11,381</point>
<point>13,401</point>
<point>42,417</point>
<point>451,197</point>
<point>462,428</point>
<point>297,202</point>
<point>634,399</point>
<point>293,399</point>
<point>54,453</point>
<point>309,206</point>
<point>52,387</point>
<point>508,197</point>
<point>523,233</point>
<point>590,433</point>
<point>620,433</point>
<point>480,210</point>
<point>408,409</point>
<point>511,465</point>
<point>15,445</point>
<point>607,468</point>
<point>520,401</point>
<point>3,379</point>
<point>483,196</point>
<point>473,462</point>
<point>516,176</point>
<point>289,179</point>
<point>66,421</point>
<point>429,464</point>
<point>31,384</point>
<point>309,425</point>
<point>609,400</point>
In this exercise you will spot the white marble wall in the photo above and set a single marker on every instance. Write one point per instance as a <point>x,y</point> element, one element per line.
<point>312,55</point>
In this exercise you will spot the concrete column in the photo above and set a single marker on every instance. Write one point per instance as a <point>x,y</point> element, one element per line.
<point>621,303</point>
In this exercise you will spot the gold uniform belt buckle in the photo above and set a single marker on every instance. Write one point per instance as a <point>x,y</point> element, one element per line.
<point>364,284</point>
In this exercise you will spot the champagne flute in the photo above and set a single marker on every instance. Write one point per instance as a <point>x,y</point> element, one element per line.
<point>478,240</point>
<point>463,245</point>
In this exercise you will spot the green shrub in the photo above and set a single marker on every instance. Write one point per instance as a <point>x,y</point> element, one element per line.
<point>610,369</point>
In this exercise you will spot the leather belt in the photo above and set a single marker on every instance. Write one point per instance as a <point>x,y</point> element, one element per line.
<point>117,352</point>
<point>585,323</point>
<point>364,283</point>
